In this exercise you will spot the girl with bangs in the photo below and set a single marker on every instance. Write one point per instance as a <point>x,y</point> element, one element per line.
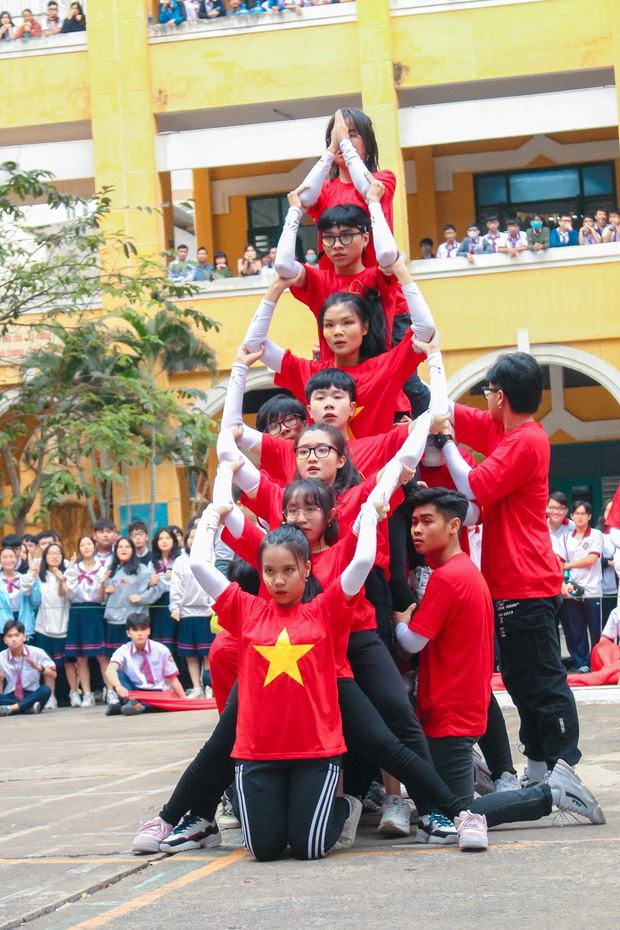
<point>86,630</point>
<point>166,551</point>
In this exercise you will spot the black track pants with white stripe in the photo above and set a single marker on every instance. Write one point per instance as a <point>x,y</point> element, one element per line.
<point>290,802</point>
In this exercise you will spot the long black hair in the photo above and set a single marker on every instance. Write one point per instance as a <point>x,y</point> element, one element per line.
<point>347,476</point>
<point>318,492</point>
<point>291,537</point>
<point>44,567</point>
<point>368,309</point>
<point>175,552</point>
<point>364,126</point>
<point>132,565</point>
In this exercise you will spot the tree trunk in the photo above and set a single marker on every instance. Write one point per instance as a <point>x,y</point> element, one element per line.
<point>125,473</point>
<point>153,485</point>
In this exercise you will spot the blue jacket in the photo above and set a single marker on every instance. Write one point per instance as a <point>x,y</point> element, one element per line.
<point>556,243</point>
<point>28,606</point>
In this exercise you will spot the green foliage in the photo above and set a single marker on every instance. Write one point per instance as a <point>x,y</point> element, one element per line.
<point>90,403</point>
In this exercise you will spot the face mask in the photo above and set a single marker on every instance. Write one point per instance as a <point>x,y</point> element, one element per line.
<point>311,259</point>
<point>473,236</point>
<point>536,224</point>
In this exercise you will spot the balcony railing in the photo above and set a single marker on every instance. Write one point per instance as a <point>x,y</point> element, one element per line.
<point>49,45</point>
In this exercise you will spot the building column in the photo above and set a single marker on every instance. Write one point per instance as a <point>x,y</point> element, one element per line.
<point>426,220</point>
<point>203,217</point>
<point>380,100</point>
<point>123,125</point>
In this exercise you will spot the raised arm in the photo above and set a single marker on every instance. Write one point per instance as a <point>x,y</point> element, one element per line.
<point>286,264</point>
<point>232,414</point>
<point>223,498</point>
<point>386,249</point>
<point>201,558</point>
<point>354,575</point>
<point>422,322</point>
<point>310,187</point>
<point>247,476</point>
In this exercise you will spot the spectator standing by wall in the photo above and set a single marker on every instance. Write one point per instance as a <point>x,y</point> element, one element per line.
<point>7,26</point>
<point>473,244</point>
<point>612,233</point>
<point>538,234</point>
<point>51,23</point>
<point>515,239</point>
<point>588,234</point>
<point>30,28</point>
<point>250,264</point>
<point>583,549</point>
<point>493,236</point>
<point>565,234</point>
<point>221,269</point>
<point>75,21</point>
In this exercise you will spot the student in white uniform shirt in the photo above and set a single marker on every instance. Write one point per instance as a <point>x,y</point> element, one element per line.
<point>609,563</point>
<point>448,248</point>
<point>515,239</point>
<point>493,236</point>
<point>558,521</point>
<point>21,667</point>
<point>190,607</point>
<point>583,549</point>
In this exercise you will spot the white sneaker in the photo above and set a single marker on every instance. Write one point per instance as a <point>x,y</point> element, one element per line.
<point>472,831</point>
<point>151,835</point>
<point>52,704</point>
<point>74,699</point>
<point>195,694</point>
<point>112,697</point>
<point>208,691</point>
<point>88,700</point>
<point>347,837</point>
<point>396,818</point>
<point>507,782</point>
<point>575,798</point>
<point>225,816</point>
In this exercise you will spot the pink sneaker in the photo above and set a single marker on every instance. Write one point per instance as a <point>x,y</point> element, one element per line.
<point>472,831</point>
<point>150,835</point>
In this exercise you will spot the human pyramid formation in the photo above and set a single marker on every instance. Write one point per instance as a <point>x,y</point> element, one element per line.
<point>305,665</point>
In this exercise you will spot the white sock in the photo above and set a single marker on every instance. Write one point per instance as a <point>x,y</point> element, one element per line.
<point>556,794</point>
<point>536,770</point>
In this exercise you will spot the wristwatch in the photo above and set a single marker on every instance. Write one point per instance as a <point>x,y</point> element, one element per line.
<point>440,439</point>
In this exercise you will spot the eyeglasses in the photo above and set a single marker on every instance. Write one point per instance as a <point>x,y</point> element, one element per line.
<point>291,514</point>
<point>343,238</point>
<point>556,509</point>
<point>321,452</point>
<point>486,391</point>
<point>275,428</point>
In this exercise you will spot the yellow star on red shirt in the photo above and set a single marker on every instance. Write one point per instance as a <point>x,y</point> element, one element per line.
<point>358,410</point>
<point>283,658</point>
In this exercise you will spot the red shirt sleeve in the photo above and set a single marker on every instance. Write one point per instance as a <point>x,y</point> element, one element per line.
<point>476,428</point>
<point>268,501</point>
<point>248,545</point>
<point>231,606</point>
<point>277,458</point>
<point>294,374</point>
<point>434,607</point>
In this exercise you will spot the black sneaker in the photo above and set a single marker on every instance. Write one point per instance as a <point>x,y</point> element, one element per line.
<point>131,708</point>
<point>114,710</point>
<point>192,833</point>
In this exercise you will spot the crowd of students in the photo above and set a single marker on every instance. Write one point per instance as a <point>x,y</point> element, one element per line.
<point>76,613</point>
<point>51,24</point>
<point>351,569</point>
<point>597,227</point>
<point>175,12</point>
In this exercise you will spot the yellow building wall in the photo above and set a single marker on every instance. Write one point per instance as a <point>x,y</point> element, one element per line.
<point>43,89</point>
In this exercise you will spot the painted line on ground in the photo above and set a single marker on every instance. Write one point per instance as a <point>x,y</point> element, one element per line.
<point>150,896</point>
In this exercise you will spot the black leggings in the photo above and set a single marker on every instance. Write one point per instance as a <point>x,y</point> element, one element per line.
<point>206,778</point>
<point>290,802</point>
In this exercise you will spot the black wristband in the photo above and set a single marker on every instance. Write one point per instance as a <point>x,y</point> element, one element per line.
<point>440,439</point>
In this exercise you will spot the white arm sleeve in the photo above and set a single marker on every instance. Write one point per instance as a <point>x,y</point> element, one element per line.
<point>259,325</point>
<point>614,535</point>
<point>410,641</point>
<point>233,402</point>
<point>384,488</point>
<point>459,469</point>
<point>248,477</point>
<point>439,388</point>
<point>385,246</point>
<point>473,514</point>
<point>314,179</point>
<point>413,447</point>
<point>354,575</point>
<point>355,166</point>
<point>422,322</point>
<point>223,494</point>
<point>201,555</point>
<point>451,409</point>
<point>272,356</point>
<point>250,440</point>
<point>285,263</point>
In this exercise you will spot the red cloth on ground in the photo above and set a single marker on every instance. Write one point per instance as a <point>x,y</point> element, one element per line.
<point>166,700</point>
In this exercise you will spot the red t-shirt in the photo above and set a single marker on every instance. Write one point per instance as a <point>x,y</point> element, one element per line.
<point>327,566</point>
<point>511,484</point>
<point>613,517</point>
<point>378,381</point>
<point>268,506</point>
<point>321,283</point>
<point>454,684</point>
<point>288,699</point>
<point>368,455</point>
<point>334,192</point>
